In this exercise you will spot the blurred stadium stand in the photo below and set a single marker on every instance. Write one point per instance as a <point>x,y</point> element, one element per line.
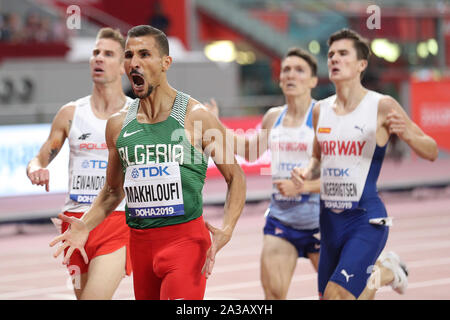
<point>227,49</point>
<point>260,32</point>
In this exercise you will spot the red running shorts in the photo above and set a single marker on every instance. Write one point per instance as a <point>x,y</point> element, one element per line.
<point>167,261</point>
<point>110,235</point>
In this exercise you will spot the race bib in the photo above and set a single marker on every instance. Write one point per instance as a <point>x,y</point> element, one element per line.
<point>341,188</point>
<point>154,190</point>
<point>88,178</point>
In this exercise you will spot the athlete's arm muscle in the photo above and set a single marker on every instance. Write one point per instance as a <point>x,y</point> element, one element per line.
<point>214,143</point>
<point>312,170</point>
<point>314,164</point>
<point>257,144</point>
<point>37,170</point>
<point>106,201</point>
<point>112,192</point>
<point>392,119</point>
<point>251,147</point>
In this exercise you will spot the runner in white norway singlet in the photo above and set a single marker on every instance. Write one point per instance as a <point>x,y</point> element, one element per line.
<point>350,163</point>
<point>348,145</point>
<point>88,157</point>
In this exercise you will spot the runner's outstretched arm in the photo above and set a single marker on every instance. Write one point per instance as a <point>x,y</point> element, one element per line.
<point>107,200</point>
<point>216,145</point>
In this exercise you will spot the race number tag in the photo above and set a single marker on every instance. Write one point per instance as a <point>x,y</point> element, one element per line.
<point>342,188</point>
<point>154,190</point>
<point>88,178</point>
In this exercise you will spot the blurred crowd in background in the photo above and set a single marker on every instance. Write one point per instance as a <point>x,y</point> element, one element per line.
<point>32,27</point>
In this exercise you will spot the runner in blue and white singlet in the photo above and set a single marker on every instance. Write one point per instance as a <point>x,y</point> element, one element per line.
<point>291,147</point>
<point>292,219</point>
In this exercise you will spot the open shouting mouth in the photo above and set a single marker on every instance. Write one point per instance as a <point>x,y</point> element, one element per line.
<point>138,81</point>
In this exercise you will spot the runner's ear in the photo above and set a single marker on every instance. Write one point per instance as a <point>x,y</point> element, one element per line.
<point>166,63</point>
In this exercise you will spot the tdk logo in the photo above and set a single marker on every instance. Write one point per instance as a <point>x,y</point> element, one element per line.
<point>94,164</point>
<point>152,172</point>
<point>335,172</point>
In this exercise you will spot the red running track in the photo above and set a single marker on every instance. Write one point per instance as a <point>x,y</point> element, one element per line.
<point>420,235</point>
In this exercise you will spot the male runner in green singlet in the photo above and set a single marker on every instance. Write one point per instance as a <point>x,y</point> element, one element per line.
<point>158,152</point>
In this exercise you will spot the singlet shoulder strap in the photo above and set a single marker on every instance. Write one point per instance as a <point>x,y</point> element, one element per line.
<point>81,102</point>
<point>309,119</point>
<point>131,114</point>
<point>280,117</point>
<point>179,107</point>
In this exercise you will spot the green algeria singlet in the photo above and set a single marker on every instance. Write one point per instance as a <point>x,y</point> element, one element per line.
<point>163,173</point>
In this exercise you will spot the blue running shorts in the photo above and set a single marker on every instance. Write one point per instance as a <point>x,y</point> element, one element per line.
<point>350,246</point>
<point>303,240</point>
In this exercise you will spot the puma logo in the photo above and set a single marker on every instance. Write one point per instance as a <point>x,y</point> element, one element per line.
<point>346,275</point>
<point>359,128</point>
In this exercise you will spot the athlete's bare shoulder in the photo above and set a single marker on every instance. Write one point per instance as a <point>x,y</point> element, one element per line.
<point>129,101</point>
<point>115,122</point>
<point>67,111</point>
<point>195,110</point>
<point>271,116</point>
<point>195,105</point>
<point>387,103</point>
<point>118,117</point>
<point>273,112</point>
<point>316,108</point>
<point>63,119</point>
<point>325,103</point>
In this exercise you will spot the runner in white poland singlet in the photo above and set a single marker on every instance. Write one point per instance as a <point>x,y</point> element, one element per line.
<point>88,157</point>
